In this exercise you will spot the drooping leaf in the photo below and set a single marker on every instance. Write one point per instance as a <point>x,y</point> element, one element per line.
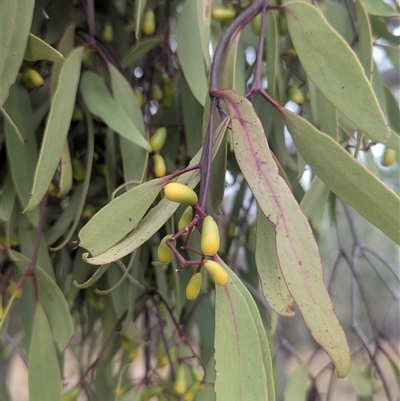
<point>139,50</point>
<point>134,158</point>
<point>360,381</point>
<point>345,176</point>
<point>44,376</point>
<point>296,248</point>
<point>15,23</point>
<point>37,49</point>
<point>52,301</point>
<point>365,39</point>
<point>273,285</point>
<point>139,8</point>
<point>100,102</point>
<point>379,8</point>
<point>57,126</point>
<point>273,56</point>
<point>190,51</point>
<point>296,388</point>
<point>242,357</point>
<point>65,46</point>
<point>204,23</point>
<point>7,199</point>
<point>22,158</point>
<point>158,215</point>
<point>65,180</point>
<point>115,220</point>
<point>339,18</point>
<point>335,70</point>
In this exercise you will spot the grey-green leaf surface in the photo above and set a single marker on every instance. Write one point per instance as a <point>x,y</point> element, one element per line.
<point>57,126</point>
<point>134,158</point>
<point>158,215</point>
<point>190,51</point>
<point>37,49</point>
<point>335,70</point>
<point>44,375</point>
<point>65,180</point>
<point>115,220</point>
<point>296,248</point>
<point>7,199</point>
<point>242,357</point>
<point>15,23</point>
<point>296,388</point>
<point>345,176</point>
<point>139,50</point>
<point>52,300</point>
<point>139,8</point>
<point>379,8</point>
<point>273,285</point>
<point>22,157</point>
<point>100,102</point>
<point>365,39</point>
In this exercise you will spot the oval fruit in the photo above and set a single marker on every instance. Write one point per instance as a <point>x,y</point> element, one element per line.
<point>32,79</point>
<point>191,391</point>
<point>160,167</point>
<point>217,272</point>
<point>167,85</point>
<point>295,94</point>
<point>149,23</point>
<point>108,32</point>
<point>185,219</point>
<point>193,286</point>
<point>158,139</point>
<point>176,192</point>
<point>389,157</point>
<point>223,14</point>
<point>180,380</point>
<point>156,92</point>
<point>256,24</point>
<point>164,252</point>
<point>210,239</point>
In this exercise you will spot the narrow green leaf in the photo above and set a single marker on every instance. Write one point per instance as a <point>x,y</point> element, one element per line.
<point>190,51</point>
<point>139,50</point>
<point>37,49</point>
<point>139,8</point>
<point>273,285</point>
<point>327,115</point>
<point>192,117</point>
<point>15,23</point>
<point>335,70</point>
<point>296,388</point>
<point>22,158</point>
<point>52,301</point>
<point>379,8</point>
<point>100,102</point>
<point>57,126</point>
<point>273,56</point>
<point>158,215</point>
<point>361,381</point>
<point>134,158</point>
<point>44,375</point>
<point>12,125</point>
<point>296,248</point>
<point>339,18</point>
<point>242,358</point>
<point>393,53</point>
<point>115,220</point>
<point>96,276</point>
<point>65,46</point>
<point>59,15</point>
<point>345,176</point>
<point>365,39</point>
<point>392,108</point>
<point>65,181</point>
<point>204,23</point>
<point>7,199</point>
<point>314,201</point>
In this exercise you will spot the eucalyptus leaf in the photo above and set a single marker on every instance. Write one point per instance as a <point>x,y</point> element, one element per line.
<point>273,285</point>
<point>365,39</point>
<point>7,199</point>
<point>57,126</point>
<point>296,248</point>
<point>335,70</point>
<point>52,301</point>
<point>65,180</point>
<point>242,357</point>
<point>37,49</point>
<point>379,8</point>
<point>14,30</point>
<point>296,388</point>
<point>139,8</point>
<point>345,176</point>
<point>139,50</point>
<point>115,220</point>
<point>100,102</point>
<point>190,51</point>
<point>44,375</point>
